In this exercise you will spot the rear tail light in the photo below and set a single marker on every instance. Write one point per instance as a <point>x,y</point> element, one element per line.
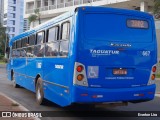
<point>80,68</point>
<point>153,77</point>
<point>80,77</point>
<point>154,69</point>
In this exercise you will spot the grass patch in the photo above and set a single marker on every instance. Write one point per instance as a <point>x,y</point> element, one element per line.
<point>2,62</point>
<point>157,75</point>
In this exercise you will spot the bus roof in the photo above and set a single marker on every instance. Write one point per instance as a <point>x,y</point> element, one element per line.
<point>114,10</point>
<point>70,13</point>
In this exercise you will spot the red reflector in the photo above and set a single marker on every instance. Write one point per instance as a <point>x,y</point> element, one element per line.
<point>94,96</point>
<point>154,69</point>
<point>153,76</point>
<point>141,94</point>
<point>84,94</point>
<point>150,92</point>
<point>80,68</point>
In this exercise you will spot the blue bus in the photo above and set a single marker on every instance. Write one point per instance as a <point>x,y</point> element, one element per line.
<point>88,55</point>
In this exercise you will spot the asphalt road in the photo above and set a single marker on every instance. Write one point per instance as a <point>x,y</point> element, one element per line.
<point>27,99</point>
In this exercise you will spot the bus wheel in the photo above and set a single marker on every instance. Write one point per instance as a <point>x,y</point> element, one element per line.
<point>39,92</point>
<point>14,84</point>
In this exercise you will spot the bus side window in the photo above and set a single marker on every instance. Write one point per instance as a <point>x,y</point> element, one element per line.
<point>64,48</point>
<point>52,44</point>
<point>65,35</point>
<point>30,48</point>
<point>39,47</point>
<point>13,53</point>
<point>40,38</point>
<point>51,49</point>
<point>18,51</point>
<point>65,30</point>
<point>14,45</point>
<point>52,34</point>
<point>31,40</point>
<point>23,52</point>
<point>24,44</point>
<point>13,50</point>
<point>18,44</point>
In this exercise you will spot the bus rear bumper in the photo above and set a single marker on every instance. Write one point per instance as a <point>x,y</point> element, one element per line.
<point>94,95</point>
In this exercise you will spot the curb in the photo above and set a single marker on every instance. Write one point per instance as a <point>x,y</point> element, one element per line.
<point>21,107</point>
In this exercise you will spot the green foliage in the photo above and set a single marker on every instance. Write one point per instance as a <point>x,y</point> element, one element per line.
<point>158,70</point>
<point>156,9</point>
<point>1,57</point>
<point>36,11</point>
<point>157,75</point>
<point>3,60</point>
<point>2,39</point>
<point>33,17</point>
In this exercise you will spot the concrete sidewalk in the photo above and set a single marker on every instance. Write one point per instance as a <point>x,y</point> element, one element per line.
<point>8,104</point>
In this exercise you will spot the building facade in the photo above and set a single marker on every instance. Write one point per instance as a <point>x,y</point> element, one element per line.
<point>52,8</point>
<point>1,11</point>
<point>26,25</point>
<point>13,17</point>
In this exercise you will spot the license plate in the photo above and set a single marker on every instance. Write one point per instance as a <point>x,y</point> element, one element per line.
<point>120,71</point>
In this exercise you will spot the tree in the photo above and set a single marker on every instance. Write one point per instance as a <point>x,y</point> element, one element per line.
<point>36,11</point>
<point>156,9</point>
<point>3,37</point>
<point>33,17</point>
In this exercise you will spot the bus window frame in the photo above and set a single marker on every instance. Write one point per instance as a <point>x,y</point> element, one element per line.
<point>44,36</point>
<point>29,42</point>
<point>26,42</point>
<point>58,35</point>
<point>14,45</point>
<point>54,41</point>
<point>17,44</point>
<point>61,30</point>
<point>61,40</point>
<point>29,46</point>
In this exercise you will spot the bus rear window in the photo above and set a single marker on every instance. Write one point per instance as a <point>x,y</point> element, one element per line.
<point>137,24</point>
<point>115,27</point>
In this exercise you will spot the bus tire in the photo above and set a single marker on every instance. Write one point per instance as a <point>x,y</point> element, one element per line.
<point>14,84</point>
<point>39,92</point>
